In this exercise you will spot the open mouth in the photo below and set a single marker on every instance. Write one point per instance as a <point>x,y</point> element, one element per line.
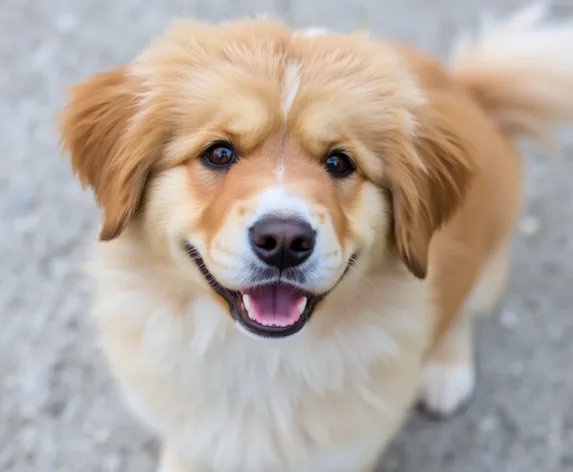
<point>274,310</point>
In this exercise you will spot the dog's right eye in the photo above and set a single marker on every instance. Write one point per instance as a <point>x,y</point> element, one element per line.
<point>219,155</point>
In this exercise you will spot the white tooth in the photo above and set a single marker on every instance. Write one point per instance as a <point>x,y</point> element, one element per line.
<point>302,305</point>
<point>248,305</point>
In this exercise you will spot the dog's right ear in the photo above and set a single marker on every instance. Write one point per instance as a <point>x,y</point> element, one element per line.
<point>111,150</point>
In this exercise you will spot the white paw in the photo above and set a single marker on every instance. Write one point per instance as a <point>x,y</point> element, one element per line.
<point>444,389</point>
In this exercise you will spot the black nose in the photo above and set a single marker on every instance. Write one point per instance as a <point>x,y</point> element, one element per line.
<point>282,243</point>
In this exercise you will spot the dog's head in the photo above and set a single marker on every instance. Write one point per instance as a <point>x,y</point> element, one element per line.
<point>265,163</point>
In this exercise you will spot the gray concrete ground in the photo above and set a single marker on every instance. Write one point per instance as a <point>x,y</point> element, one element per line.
<point>58,408</point>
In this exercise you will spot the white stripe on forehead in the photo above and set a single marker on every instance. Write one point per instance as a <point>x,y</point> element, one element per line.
<point>289,88</point>
<point>292,72</point>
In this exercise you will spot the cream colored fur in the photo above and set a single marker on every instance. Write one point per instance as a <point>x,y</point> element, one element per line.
<point>318,402</point>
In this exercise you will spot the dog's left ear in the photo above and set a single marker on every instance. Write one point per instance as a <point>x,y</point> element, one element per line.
<point>430,178</point>
<point>111,144</point>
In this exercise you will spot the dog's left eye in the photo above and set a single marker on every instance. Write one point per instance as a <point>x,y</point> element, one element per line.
<point>338,164</point>
<point>219,154</point>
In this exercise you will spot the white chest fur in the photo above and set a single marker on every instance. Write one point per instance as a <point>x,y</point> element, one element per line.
<point>325,400</point>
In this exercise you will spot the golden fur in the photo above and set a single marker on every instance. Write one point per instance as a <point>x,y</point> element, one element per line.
<point>428,215</point>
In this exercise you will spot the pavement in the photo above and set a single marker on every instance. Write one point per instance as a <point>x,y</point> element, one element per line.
<point>59,410</point>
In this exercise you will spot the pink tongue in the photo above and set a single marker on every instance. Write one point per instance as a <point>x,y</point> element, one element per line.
<point>273,305</point>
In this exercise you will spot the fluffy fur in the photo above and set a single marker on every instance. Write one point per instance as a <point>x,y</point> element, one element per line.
<point>424,224</point>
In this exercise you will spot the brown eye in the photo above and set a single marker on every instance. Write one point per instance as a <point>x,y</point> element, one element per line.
<point>220,155</point>
<point>338,164</point>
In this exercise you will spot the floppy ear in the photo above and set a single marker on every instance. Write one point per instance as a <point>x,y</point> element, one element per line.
<point>430,179</point>
<point>110,151</point>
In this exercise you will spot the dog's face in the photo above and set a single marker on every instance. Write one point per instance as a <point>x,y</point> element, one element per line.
<point>265,163</point>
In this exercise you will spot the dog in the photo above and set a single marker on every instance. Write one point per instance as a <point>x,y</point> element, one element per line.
<point>299,228</point>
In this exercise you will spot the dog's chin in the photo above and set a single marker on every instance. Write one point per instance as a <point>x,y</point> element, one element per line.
<point>266,310</point>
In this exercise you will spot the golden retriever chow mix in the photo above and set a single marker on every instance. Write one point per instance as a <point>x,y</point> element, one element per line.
<point>299,228</point>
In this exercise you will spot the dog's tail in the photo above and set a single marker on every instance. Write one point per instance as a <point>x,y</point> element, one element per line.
<point>520,71</point>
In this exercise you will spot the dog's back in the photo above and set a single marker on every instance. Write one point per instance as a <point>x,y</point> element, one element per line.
<point>515,80</point>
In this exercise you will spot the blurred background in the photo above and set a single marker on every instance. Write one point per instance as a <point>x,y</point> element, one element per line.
<point>59,410</point>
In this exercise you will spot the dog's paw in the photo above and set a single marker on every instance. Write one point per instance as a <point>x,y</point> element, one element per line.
<point>445,389</point>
